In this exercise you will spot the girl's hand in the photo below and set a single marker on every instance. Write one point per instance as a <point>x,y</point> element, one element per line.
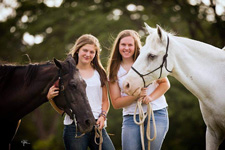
<point>147,99</point>
<point>53,92</point>
<point>101,122</point>
<point>144,97</point>
<point>143,92</point>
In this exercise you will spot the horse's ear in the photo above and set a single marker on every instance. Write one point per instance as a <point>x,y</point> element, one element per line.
<point>58,63</point>
<point>149,29</point>
<point>160,32</point>
<point>71,58</point>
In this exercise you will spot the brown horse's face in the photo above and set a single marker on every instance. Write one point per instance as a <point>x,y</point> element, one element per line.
<point>72,96</point>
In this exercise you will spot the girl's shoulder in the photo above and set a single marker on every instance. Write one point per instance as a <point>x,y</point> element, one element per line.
<point>121,72</point>
<point>96,75</point>
<point>96,72</point>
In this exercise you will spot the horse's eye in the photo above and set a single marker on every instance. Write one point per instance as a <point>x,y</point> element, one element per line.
<point>73,85</point>
<point>151,56</point>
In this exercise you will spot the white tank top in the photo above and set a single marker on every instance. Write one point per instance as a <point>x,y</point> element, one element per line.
<point>94,94</point>
<point>129,110</point>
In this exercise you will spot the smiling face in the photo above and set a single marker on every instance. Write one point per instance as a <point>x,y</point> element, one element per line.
<point>127,47</point>
<point>86,53</point>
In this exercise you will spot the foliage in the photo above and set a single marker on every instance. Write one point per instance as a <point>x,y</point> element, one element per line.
<point>61,26</point>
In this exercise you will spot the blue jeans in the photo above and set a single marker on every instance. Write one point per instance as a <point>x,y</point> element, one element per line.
<point>82,143</point>
<point>131,139</point>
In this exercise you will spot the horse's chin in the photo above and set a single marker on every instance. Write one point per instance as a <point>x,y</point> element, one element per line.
<point>136,92</point>
<point>69,112</point>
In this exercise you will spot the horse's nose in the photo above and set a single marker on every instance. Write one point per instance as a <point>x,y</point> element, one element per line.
<point>88,122</point>
<point>126,86</point>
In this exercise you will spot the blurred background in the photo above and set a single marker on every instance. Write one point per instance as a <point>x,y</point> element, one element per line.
<point>44,29</point>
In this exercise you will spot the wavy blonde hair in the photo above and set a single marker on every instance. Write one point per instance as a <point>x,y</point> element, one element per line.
<point>115,56</point>
<point>96,63</point>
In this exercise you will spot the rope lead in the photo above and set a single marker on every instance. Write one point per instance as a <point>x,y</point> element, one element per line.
<point>142,117</point>
<point>98,134</point>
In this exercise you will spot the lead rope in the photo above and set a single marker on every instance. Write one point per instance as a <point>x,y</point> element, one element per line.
<point>98,134</point>
<point>76,136</point>
<point>142,117</point>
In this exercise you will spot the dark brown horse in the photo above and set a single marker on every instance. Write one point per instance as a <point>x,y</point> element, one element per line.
<point>24,88</point>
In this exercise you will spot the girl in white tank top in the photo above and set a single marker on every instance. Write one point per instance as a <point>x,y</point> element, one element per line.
<point>86,54</point>
<point>124,52</point>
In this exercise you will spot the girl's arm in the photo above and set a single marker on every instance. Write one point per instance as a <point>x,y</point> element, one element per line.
<point>105,100</point>
<point>163,86</point>
<point>105,107</point>
<point>53,91</point>
<point>116,99</point>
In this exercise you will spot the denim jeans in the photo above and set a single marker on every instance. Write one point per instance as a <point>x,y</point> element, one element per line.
<point>131,139</point>
<point>87,140</point>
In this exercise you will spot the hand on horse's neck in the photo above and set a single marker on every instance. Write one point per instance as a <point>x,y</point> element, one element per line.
<point>86,71</point>
<point>127,63</point>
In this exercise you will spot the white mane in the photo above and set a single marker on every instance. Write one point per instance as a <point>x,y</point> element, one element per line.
<point>200,48</point>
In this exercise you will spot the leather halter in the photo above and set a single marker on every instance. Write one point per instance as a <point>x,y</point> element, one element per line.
<point>164,61</point>
<point>59,83</point>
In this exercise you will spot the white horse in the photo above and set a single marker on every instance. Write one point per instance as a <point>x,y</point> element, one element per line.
<point>198,66</point>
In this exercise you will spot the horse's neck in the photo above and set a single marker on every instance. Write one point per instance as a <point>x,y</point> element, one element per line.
<point>198,66</point>
<point>43,75</point>
<point>33,95</point>
<point>45,78</point>
<point>51,76</point>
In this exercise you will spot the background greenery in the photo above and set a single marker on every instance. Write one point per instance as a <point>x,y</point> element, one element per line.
<point>36,28</point>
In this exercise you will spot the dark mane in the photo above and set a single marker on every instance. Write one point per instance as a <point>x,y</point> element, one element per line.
<point>31,73</point>
<point>71,67</point>
<point>7,71</point>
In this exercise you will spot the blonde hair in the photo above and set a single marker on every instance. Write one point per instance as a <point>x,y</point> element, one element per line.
<point>116,58</point>
<point>96,63</point>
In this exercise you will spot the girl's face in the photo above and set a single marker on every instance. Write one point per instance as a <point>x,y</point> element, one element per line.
<point>127,47</point>
<point>86,53</point>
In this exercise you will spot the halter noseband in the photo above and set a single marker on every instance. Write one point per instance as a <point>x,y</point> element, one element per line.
<point>160,67</point>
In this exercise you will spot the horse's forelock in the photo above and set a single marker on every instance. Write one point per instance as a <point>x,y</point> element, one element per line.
<point>72,67</point>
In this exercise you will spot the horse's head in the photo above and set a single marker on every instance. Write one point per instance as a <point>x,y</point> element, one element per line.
<point>152,63</point>
<point>72,96</point>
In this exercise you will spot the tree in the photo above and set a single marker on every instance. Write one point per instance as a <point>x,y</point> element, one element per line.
<point>44,32</point>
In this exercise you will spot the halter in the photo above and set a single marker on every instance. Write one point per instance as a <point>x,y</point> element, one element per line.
<point>62,87</point>
<point>61,84</point>
<point>160,67</point>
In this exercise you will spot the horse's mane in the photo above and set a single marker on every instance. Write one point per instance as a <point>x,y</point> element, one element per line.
<point>7,71</point>
<point>31,73</point>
